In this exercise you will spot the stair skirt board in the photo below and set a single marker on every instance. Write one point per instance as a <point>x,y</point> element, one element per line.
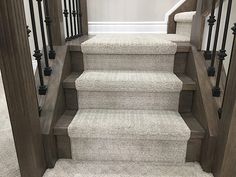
<point>128,100</point>
<point>129,62</point>
<point>70,168</point>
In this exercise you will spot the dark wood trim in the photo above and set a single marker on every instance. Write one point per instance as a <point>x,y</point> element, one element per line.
<point>188,5</point>
<point>56,14</point>
<point>203,9</point>
<point>204,108</point>
<point>225,153</point>
<point>84,16</point>
<point>19,84</point>
<point>54,104</point>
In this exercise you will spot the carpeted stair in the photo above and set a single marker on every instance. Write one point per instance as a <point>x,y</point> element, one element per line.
<point>128,123</point>
<point>129,115</point>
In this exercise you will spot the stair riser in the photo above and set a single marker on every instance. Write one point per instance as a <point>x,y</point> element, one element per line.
<point>128,100</point>
<point>185,100</point>
<point>184,28</point>
<point>173,152</point>
<point>77,63</point>
<point>129,62</point>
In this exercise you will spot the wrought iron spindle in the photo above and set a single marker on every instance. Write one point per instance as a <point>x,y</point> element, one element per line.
<point>211,22</point>
<point>48,21</point>
<point>71,21</point>
<point>28,31</point>
<point>79,18</point>
<point>74,13</point>
<point>37,54</point>
<point>222,54</point>
<point>231,57</point>
<point>66,13</point>
<point>47,69</point>
<point>211,69</point>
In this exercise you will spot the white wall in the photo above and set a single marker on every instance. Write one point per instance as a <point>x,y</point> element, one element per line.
<point>229,37</point>
<point>37,21</point>
<point>128,16</point>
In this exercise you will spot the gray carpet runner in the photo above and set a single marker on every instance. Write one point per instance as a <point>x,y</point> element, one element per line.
<point>129,115</point>
<point>128,123</point>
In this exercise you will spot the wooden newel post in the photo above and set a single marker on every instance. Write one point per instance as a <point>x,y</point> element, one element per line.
<point>19,84</point>
<point>57,25</point>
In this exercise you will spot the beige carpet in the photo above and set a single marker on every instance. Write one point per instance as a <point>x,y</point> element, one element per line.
<point>70,168</point>
<point>8,160</point>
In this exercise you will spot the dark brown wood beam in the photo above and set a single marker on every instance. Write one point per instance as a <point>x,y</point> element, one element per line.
<point>84,16</point>
<point>19,84</point>
<point>204,107</point>
<point>56,14</point>
<point>226,147</point>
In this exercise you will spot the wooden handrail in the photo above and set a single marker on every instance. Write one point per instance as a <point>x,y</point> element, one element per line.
<point>19,84</point>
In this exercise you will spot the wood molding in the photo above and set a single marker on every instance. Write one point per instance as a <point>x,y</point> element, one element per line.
<point>225,153</point>
<point>57,25</point>
<point>188,5</point>
<point>204,107</point>
<point>84,16</point>
<point>54,104</point>
<point>19,84</point>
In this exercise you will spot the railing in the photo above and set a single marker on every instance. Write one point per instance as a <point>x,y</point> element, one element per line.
<point>42,8</point>
<point>73,19</point>
<point>222,53</point>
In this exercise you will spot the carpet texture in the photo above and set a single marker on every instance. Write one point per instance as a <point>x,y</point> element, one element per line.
<point>129,115</point>
<point>184,23</point>
<point>70,168</point>
<point>129,135</point>
<point>128,123</point>
<point>8,160</point>
<point>128,44</point>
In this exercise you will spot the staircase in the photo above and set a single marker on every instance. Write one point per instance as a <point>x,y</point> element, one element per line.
<point>129,109</point>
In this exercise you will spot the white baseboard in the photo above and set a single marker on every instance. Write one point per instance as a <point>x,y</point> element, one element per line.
<point>127,27</point>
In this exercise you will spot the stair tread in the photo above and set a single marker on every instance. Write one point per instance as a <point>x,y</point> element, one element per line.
<point>183,42</point>
<point>128,81</point>
<point>188,83</point>
<point>61,127</point>
<point>72,168</point>
<point>126,124</point>
<point>128,44</point>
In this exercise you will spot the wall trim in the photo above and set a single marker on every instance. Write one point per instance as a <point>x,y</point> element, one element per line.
<point>133,27</point>
<point>127,27</point>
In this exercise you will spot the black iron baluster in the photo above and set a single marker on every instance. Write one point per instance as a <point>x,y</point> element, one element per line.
<point>71,21</point>
<point>48,21</point>
<point>231,57</point>
<point>66,13</point>
<point>37,54</point>
<point>74,13</point>
<point>79,18</point>
<point>47,69</point>
<point>222,54</point>
<point>28,31</point>
<point>211,69</point>
<point>211,22</point>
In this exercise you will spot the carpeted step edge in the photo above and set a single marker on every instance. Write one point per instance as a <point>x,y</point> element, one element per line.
<point>127,81</point>
<point>129,124</point>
